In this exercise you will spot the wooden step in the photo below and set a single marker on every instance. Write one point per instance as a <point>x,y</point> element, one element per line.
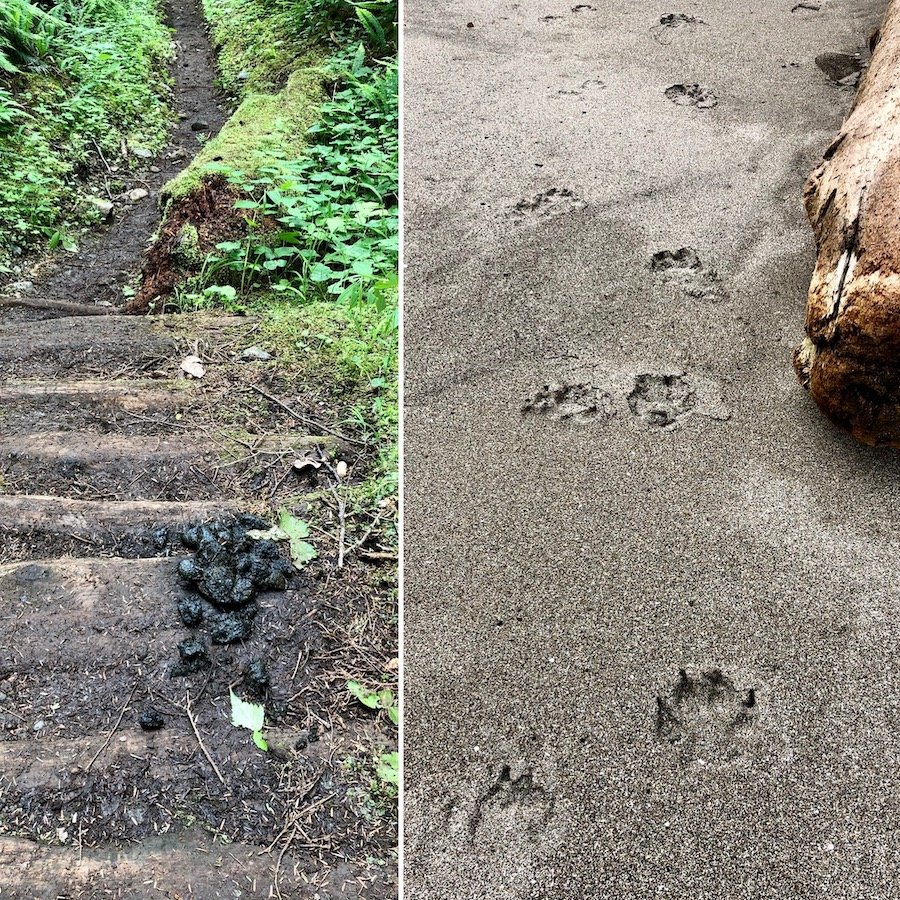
<point>44,527</point>
<point>114,345</point>
<point>137,405</point>
<point>81,464</point>
<point>182,865</point>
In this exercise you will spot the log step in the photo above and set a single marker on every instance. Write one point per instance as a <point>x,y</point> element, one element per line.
<point>190,866</point>
<point>46,527</point>
<point>81,464</point>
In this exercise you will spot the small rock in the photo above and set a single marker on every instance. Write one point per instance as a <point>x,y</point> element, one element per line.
<point>243,76</point>
<point>138,194</point>
<point>151,720</point>
<point>341,469</point>
<point>193,366</point>
<point>40,725</point>
<point>22,287</point>
<point>200,125</point>
<point>141,152</point>
<point>104,207</point>
<point>256,354</point>
<point>155,169</point>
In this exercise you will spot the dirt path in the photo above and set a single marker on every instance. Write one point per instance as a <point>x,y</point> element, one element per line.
<point>651,621</point>
<point>107,451</point>
<point>111,256</point>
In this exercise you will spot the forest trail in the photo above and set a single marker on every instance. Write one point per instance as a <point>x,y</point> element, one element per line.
<point>107,450</point>
<point>110,256</point>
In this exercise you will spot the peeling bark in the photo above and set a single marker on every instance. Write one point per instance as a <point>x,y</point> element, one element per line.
<point>850,359</point>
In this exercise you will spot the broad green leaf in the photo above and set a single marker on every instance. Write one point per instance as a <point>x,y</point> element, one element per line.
<point>363,694</point>
<point>246,715</point>
<point>394,715</point>
<point>388,768</point>
<point>260,741</point>
<point>297,530</point>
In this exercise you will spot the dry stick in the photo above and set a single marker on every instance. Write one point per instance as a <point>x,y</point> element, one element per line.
<point>73,309</point>
<point>115,728</point>
<point>312,423</point>
<point>193,721</point>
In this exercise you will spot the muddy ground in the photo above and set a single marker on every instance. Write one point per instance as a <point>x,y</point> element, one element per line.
<point>651,627</point>
<point>121,774</point>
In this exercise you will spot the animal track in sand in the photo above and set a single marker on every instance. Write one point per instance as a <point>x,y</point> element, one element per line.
<point>512,803</point>
<point>692,95</point>
<point>577,92</point>
<point>705,716</point>
<point>661,400</point>
<point>547,205</point>
<point>669,23</point>
<point>683,267</point>
<point>569,403</point>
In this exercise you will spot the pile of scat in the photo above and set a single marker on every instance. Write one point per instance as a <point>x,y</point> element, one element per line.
<point>231,564</point>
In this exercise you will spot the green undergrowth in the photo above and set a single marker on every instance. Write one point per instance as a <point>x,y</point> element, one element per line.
<point>311,154</point>
<point>79,79</point>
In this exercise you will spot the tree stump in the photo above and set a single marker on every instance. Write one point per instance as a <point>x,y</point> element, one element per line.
<point>850,359</point>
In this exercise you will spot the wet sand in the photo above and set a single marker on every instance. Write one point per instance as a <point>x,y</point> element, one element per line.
<point>652,614</point>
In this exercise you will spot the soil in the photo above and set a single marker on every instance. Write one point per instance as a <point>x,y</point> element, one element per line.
<point>121,774</point>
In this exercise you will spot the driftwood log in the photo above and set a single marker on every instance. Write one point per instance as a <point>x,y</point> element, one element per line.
<point>850,359</point>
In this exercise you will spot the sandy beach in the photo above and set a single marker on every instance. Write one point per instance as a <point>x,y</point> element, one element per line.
<point>651,607</point>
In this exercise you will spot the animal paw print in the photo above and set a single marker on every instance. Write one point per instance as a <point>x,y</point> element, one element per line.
<point>547,204</point>
<point>706,717</point>
<point>683,267</point>
<point>692,95</point>
<point>561,402</point>
<point>661,400</point>
<point>670,22</point>
<point>512,802</point>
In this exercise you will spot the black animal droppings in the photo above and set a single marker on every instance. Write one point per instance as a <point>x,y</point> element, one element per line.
<point>190,610</point>
<point>160,537</point>
<point>188,570</point>
<point>256,677</point>
<point>151,720</point>
<point>229,629</point>
<point>228,569</point>
<point>217,584</point>
<point>194,658</point>
<point>307,737</point>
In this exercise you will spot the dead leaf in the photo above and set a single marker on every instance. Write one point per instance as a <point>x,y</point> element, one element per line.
<point>193,365</point>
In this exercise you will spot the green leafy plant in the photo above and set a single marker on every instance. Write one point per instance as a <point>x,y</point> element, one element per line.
<point>335,210</point>
<point>388,768</point>
<point>251,716</point>
<point>294,530</point>
<point>382,699</point>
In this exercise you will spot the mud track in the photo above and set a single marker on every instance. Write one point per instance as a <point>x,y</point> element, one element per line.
<point>107,449</point>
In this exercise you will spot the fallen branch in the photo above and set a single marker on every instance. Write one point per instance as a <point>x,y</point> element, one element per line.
<point>312,423</point>
<point>190,715</point>
<point>115,728</point>
<point>850,359</point>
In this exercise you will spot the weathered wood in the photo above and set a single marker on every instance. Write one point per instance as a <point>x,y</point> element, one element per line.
<point>850,359</point>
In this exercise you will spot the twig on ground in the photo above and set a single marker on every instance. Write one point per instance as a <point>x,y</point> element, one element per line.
<point>190,714</point>
<point>306,420</point>
<point>115,728</point>
<point>72,309</point>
